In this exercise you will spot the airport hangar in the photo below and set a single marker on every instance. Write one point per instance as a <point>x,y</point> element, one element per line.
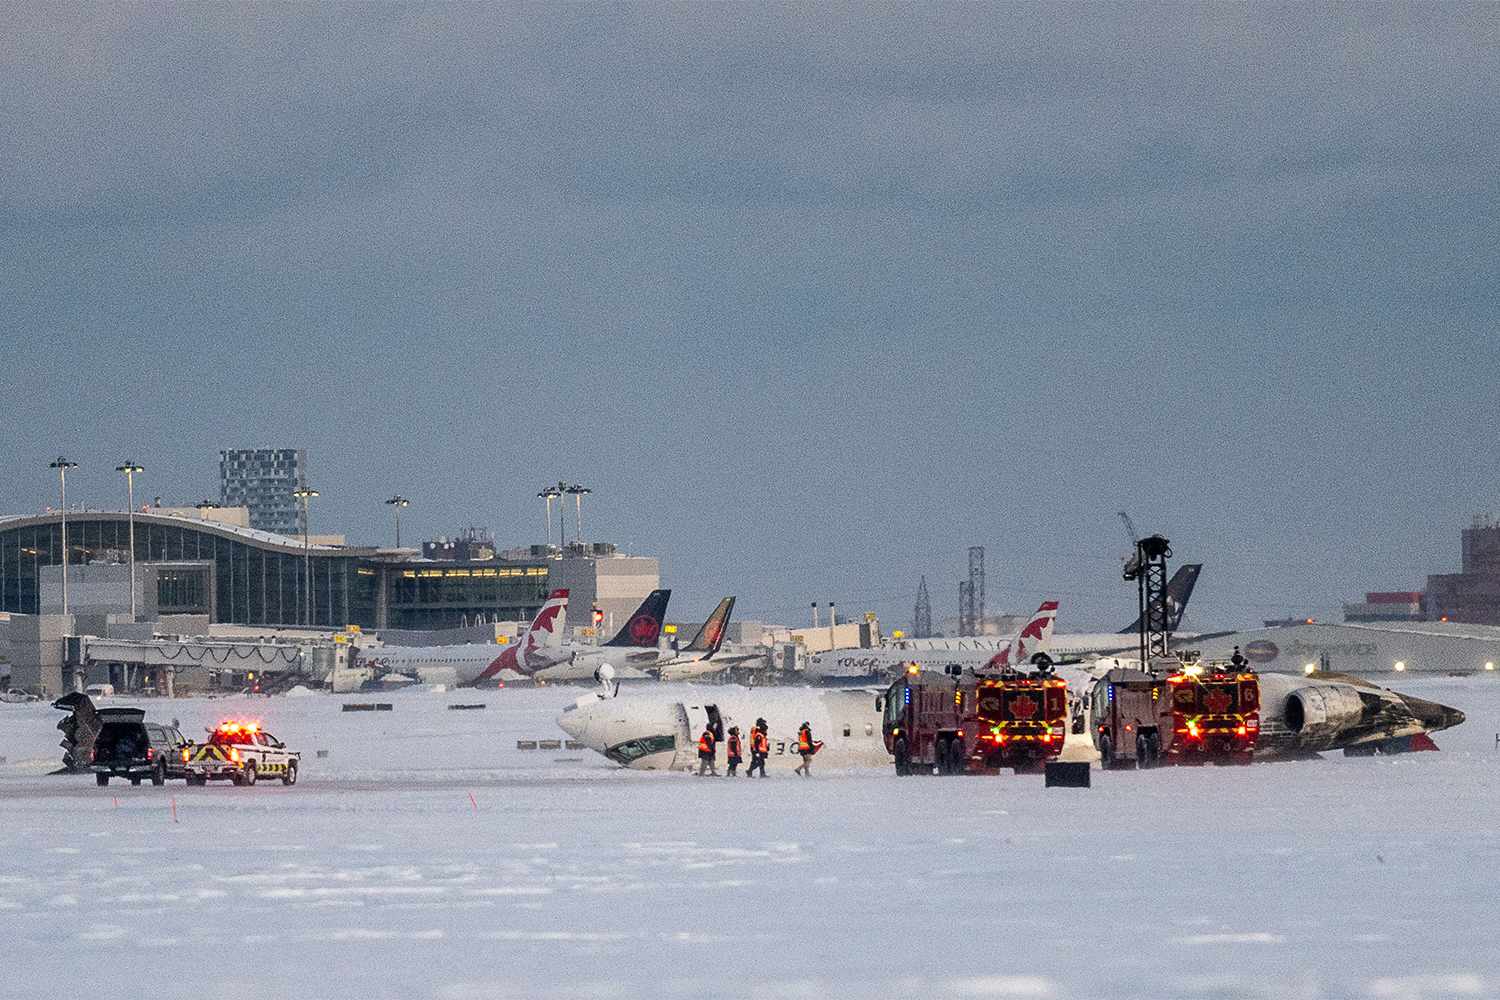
<point>1364,648</point>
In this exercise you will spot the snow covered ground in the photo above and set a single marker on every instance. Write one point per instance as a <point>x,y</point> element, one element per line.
<point>379,876</point>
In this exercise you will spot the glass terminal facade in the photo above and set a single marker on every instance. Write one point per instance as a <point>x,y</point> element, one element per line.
<point>257,578</point>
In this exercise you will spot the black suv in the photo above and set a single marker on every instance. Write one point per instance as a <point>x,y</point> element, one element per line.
<point>130,747</point>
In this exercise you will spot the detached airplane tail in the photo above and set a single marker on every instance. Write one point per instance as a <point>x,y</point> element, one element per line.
<point>711,636</point>
<point>1179,589</point>
<point>1035,636</point>
<point>644,627</point>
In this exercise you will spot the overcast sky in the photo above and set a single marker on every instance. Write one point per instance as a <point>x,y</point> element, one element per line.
<point>814,297</point>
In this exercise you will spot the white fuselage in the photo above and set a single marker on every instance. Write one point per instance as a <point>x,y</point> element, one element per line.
<point>451,665</point>
<point>660,731</point>
<point>882,662</point>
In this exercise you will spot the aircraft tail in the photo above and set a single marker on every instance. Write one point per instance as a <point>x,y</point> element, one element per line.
<point>1035,636</point>
<point>547,628</point>
<point>644,627</point>
<point>711,636</point>
<point>1179,590</point>
<point>544,632</point>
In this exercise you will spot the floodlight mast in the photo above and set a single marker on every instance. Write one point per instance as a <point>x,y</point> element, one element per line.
<point>1148,568</point>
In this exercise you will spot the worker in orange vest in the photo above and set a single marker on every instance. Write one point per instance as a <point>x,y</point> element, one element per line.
<point>806,747</point>
<point>706,753</point>
<point>735,755</point>
<point>760,749</point>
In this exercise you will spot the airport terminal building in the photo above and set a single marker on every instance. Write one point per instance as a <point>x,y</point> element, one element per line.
<point>239,575</point>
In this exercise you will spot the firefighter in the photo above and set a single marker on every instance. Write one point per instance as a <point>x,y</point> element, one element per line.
<point>1238,660</point>
<point>735,757</point>
<point>706,753</point>
<point>760,748</point>
<point>806,747</point>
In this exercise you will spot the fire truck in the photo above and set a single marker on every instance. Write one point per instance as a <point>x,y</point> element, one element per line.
<point>968,722</point>
<point>921,721</point>
<point>1131,716</point>
<point>1215,713</point>
<point>1179,712</point>
<point>1019,719</point>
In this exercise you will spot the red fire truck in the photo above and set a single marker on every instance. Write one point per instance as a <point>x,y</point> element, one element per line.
<point>1019,719</point>
<point>1215,714</point>
<point>922,723</point>
<point>974,723</point>
<point>1131,718</point>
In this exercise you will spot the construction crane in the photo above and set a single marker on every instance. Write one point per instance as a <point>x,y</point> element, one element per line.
<point>1134,541</point>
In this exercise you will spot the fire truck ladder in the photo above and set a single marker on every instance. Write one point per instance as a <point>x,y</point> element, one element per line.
<point>1148,568</point>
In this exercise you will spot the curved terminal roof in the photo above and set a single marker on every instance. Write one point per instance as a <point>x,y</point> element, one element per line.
<point>265,539</point>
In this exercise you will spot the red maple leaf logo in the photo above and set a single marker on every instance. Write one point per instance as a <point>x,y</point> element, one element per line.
<point>1217,702</point>
<point>1023,707</point>
<point>644,630</point>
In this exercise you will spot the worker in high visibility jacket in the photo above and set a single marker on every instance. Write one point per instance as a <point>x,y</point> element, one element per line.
<point>706,752</point>
<point>732,746</point>
<point>760,749</point>
<point>806,746</point>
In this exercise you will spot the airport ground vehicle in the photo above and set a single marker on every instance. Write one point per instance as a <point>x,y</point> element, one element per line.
<point>240,752</point>
<point>1175,714</point>
<point>921,722</point>
<point>1131,717</point>
<point>959,723</point>
<point>130,747</point>
<point>1017,719</point>
<point>1215,714</point>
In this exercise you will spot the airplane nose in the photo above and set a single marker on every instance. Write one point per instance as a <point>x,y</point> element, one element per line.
<point>570,723</point>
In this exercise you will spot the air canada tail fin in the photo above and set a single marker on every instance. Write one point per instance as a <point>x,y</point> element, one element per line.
<point>1035,636</point>
<point>544,633</point>
<point>644,627</point>
<point>711,636</point>
<point>546,629</point>
<point>1179,589</point>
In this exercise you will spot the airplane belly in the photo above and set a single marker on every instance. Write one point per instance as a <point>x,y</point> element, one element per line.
<point>438,675</point>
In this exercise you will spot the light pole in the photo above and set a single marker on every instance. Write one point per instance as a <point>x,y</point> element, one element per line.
<point>62,465</point>
<point>306,494</point>
<point>130,469</point>
<point>550,494</point>
<point>396,503</point>
<point>577,492</point>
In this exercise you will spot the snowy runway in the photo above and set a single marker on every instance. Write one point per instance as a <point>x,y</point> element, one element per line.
<point>563,876</point>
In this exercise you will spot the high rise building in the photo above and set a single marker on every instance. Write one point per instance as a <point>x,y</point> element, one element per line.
<point>263,480</point>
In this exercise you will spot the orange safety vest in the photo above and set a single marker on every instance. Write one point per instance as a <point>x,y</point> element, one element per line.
<point>734,745</point>
<point>804,741</point>
<point>706,742</point>
<point>758,741</point>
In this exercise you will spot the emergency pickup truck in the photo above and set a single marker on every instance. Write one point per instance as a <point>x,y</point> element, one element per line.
<point>240,752</point>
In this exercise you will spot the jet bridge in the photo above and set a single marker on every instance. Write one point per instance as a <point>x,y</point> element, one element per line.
<point>169,664</point>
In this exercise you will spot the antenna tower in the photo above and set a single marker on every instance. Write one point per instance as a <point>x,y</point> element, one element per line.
<point>976,589</point>
<point>921,618</point>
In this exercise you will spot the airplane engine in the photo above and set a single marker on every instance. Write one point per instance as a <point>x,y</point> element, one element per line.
<point>1318,714</point>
